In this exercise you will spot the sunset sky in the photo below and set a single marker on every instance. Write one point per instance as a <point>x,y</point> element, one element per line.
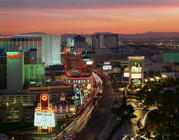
<point>88,16</point>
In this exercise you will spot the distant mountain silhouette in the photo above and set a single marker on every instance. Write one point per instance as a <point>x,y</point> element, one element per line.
<point>147,35</point>
<point>150,35</point>
<point>39,33</point>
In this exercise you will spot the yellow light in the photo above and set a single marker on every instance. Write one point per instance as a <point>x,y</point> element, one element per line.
<point>164,76</point>
<point>89,62</point>
<point>85,90</point>
<point>157,78</point>
<point>89,86</point>
<point>44,97</point>
<point>72,109</point>
<point>151,79</point>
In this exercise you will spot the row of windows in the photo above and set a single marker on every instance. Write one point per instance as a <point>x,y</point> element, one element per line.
<point>17,97</point>
<point>25,98</point>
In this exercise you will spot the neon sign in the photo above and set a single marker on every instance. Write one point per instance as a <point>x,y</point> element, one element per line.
<point>7,36</point>
<point>44,97</point>
<point>14,56</point>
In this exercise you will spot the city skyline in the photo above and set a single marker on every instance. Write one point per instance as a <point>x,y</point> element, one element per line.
<point>88,16</point>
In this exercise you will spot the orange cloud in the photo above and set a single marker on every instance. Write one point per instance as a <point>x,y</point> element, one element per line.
<point>118,20</point>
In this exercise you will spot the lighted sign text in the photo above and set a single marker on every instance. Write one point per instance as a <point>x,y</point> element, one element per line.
<point>44,119</point>
<point>136,76</point>
<point>107,67</point>
<point>126,74</point>
<point>136,69</point>
<point>136,57</point>
<point>16,56</point>
<point>136,82</point>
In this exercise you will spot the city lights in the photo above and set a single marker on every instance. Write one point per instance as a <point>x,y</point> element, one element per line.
<point>164,76</point>
<point>89,69</point>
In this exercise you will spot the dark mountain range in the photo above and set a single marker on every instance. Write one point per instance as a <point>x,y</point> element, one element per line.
<point>147,35</point>
<point>151,35</point>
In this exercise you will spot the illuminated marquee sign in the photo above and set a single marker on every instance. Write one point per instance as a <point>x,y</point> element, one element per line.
<point>44,119</point>
<point>44,100</point>
<point>107,67</point>
<point>107,63</point>
<point>136,76</point>
<point>126,74</point>
<point>136,57</point>
<point>136,82</point>
<point>89,62</point>
<point>135,69</point>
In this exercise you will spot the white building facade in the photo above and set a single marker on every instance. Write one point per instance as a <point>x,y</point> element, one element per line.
<point>48,46</point>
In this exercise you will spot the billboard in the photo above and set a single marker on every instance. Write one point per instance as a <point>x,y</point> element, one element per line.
<point>136,57</point>
<point>126,74</point>
<point>107,63</point>
<point>107,67</point>
<point>89,62</point>
<point>44,119</point>
<point>136,82</point>
<point>136,76</point>
<point>135,69</point>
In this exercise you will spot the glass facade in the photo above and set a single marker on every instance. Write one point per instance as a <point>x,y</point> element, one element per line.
<point>170,57</point>
<point>34,73</point>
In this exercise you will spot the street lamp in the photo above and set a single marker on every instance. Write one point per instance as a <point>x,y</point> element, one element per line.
<point>152,79</point>
<point>7,104</point>
<point>164,76</point>
<point>146,80</point>
<point>157,78</point>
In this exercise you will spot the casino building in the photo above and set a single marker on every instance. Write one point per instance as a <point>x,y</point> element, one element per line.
<point>76,72</point>
<point>15,72</point>
<point>48,47</point>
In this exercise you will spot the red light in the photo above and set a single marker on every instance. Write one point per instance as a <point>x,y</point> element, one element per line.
<point>55,38</point>
<point>14,56</point>
<point>44,97</point>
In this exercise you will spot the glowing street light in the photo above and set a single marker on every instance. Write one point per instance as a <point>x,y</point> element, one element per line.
<point>164,76</point>
<point>157,78</point>
<point>7,104</point>
<point>152,79</point>
<point>146,80</point>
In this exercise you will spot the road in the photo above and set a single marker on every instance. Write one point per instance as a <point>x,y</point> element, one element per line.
<point>77,125</point>
<point>100,115</point>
